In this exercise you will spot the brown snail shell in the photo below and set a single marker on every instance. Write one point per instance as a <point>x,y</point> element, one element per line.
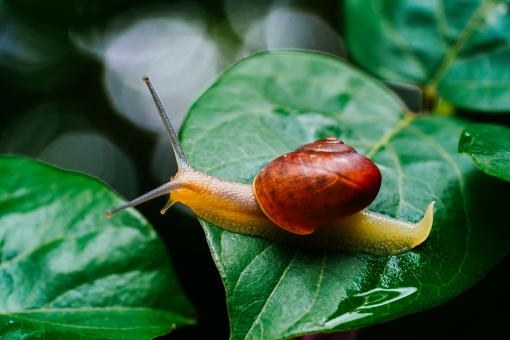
<point>318,183</point>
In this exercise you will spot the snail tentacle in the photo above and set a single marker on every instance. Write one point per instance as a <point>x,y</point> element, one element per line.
<point>182,161</point>
<point>159,191</point>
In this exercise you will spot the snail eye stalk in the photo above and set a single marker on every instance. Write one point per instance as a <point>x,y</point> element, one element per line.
<point>159,191</point>
<point>182,161</point>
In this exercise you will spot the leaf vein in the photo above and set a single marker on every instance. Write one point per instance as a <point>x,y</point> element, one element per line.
<point>269,298</point>
<point>439,148</point>
<point>398,168</point>
<point>249,264</point>
<point>319,286</point>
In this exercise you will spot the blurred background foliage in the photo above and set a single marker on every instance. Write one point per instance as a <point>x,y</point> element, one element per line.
<point>72,95</point>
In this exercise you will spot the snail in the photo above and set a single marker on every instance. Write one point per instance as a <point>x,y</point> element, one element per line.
<point>314,197</point>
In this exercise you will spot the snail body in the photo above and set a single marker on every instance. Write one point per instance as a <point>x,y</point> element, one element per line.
<point>233,207</point>
<point>313,197</point>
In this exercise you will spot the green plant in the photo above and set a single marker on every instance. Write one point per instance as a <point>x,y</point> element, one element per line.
<point>67,272</point>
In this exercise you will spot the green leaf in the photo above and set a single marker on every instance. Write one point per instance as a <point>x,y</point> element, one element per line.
<point>272,103</point>
<point>489,147</point>
<point>461,49</point>
<point>68,272</point>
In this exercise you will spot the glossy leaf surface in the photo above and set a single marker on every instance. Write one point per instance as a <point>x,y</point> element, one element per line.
<point>489,147</point>
<point>458,48</point>
<point>272,103</point>
<point>68,272</point>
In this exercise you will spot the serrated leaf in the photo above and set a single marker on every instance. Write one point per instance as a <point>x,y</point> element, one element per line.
<point>489,147</point>
<point>459,48</point>
<point>272,103</point>
<point>68,272</point>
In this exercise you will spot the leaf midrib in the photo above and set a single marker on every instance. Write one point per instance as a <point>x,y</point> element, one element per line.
<point>462,39</point>
<point>386,138</point>
<point>16,314</point>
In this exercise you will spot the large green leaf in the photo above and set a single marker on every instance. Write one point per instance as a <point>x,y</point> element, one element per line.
<point>489,147</point>
<point>272,103</point>
<point>67,272</point>
<point>459,48</point>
